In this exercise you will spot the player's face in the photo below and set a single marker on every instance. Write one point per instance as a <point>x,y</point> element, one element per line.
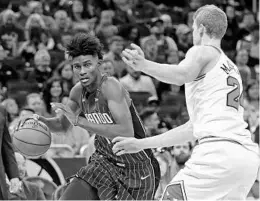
<point>85,68</point>
<point>196,34</point>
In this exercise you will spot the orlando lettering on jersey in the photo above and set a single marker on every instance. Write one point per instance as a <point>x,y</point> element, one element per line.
<point>99,118</point>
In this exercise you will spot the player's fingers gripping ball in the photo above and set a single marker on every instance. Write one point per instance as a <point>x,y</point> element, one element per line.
<point>32,139</point>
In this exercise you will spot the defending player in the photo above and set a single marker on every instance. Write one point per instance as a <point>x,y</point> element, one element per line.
<point>224,165</point>
<point>109,112</point>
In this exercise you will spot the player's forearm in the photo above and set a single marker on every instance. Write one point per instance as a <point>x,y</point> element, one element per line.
<point>57,125</point>
<point>172,74</point>
<point>179,135</point>
<point>107,130</point>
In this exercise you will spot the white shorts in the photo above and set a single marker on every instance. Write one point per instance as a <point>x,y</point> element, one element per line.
<point>217,170</point>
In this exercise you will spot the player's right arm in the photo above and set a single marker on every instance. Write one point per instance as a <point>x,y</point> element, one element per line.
<point>178,135</point>
<point>59,124</point>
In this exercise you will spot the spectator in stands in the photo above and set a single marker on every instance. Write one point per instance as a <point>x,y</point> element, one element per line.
<point>252,94</point>
<point>8,165</point>
<point>37,8</point>
<point>116,46</point>
<point>169,30</point>
<point>254,50</point>
<point>63,40</point>
<point>7,73</point>
<point>241,62</point>
<point>12,109</point>
<point>151,121</point>
<point>64,71</point>
<point>77,15</point>
<point>180,154</point>
<point>150,48</point>
<point>105,28</point>
<point>165,44</point>
<point>28,48</point>
<point>134,81</point>
<point>245,26</point>
<point>131,34</point>
<point>173,57</point>
<point>183,39</point>
<point>29,190</point>
<point>164,163</point>
<point>35,102</point>
<point>62,21</point>
<point>10,27</point>
<point>52,92</point>
<point>153,124</point>
<point>107,67</point>
<point>34,20</point>
<point>42,72</point>
<point>24,12</point>
<point>22,113</point>
<point>230,38</point>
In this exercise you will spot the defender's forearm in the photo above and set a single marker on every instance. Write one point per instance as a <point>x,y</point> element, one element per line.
<point>168,73</point>
<point>179,135</point>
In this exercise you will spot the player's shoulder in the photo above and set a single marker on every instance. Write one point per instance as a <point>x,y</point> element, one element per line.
<point>76,91</point>
<point>202,52</point>
<point>111,86</point>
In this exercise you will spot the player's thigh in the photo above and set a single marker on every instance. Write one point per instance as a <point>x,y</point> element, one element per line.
<point>216,171</point>
<point>78,189</point>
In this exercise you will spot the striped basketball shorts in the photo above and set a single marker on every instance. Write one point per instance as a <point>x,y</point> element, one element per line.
<point>122,182</point>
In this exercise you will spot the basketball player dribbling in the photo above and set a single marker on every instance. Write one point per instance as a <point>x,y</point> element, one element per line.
<point>224,164</point>
<point>109,112</point>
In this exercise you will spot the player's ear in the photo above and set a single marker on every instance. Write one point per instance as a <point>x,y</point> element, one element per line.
<point>202,29</point>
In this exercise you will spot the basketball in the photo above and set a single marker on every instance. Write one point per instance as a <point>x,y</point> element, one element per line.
<point>33,139</point>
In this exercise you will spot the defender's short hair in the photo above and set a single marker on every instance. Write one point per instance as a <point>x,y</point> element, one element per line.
<point>214,20</point>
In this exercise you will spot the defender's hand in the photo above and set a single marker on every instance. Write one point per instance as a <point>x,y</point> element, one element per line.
<point>126,145</point>
<point>134,58</point>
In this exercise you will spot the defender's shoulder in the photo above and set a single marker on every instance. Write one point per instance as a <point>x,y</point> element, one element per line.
<point>111,87</point>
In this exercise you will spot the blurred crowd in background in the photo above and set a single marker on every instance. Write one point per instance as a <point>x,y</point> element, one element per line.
<point>34,70</point>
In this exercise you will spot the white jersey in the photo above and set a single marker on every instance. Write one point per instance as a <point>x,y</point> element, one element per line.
<point>214,103</point>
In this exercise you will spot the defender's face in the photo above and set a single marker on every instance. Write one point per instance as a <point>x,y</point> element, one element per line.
<point>85,68</point>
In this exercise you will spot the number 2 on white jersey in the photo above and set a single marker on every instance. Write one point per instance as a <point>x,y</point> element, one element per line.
<point>234,96</point>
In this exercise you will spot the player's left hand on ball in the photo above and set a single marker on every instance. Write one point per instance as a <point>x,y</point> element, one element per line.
<point>15,185</point>
<point>134,57</point>
<point>60,108</point>
<point>126,145</point>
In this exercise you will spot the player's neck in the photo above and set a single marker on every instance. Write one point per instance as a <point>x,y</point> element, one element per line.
<point>94,86</point>
<point>211,41</point>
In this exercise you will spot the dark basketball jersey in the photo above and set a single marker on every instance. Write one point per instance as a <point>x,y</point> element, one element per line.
<point>95,109</point>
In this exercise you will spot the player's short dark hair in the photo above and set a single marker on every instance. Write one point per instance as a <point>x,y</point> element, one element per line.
<point>146,113</point>
<point>84,44</point>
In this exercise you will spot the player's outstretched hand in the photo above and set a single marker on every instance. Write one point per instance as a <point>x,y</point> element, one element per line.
<point>60,108</point>
<point>26,118</point>
<point>134,57</point>
<point>126,145</point>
